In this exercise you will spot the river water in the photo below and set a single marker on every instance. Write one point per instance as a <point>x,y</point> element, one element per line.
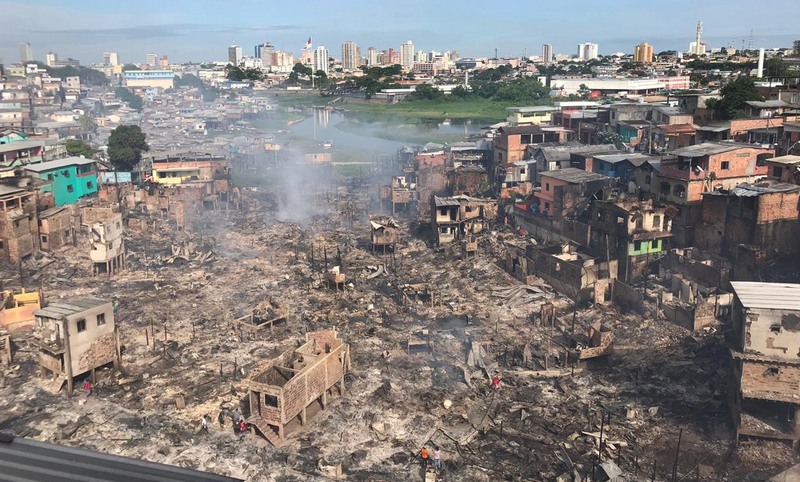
<point>367,134</point>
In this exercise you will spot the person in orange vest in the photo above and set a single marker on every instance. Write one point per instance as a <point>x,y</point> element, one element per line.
<point>423,456</point>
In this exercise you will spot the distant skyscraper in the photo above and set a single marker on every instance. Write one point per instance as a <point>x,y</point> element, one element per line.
<point>25,52</point>
<point>234,54</point>
<point>164,62</point>
<point>407,55</point>
<point>351,55</point>
<point>697,47</point>
<point>152,59</point>
<point>51,59</point>
<point>372,57</point>
<point>265,52</point>
<point>321,56</point>
<point>643,53</point>
<point>587,51</point>
<point>110,58</point>
<point>547,53</point>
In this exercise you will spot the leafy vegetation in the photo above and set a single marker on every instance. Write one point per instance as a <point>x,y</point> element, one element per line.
<point>125,146</point>
<point>735,96</point>
<point>77,147</point>
<point>300,72</point>
<point>87,75</point>
<point>237,74</point>
<point>133,100</point>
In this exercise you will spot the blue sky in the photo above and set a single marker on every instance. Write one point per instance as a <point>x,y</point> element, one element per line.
<point>202,29</point>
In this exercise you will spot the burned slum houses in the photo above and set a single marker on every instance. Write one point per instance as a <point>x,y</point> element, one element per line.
<point>525,303</point>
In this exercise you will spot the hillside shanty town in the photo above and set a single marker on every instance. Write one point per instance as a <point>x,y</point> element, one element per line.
<point>206,277</point>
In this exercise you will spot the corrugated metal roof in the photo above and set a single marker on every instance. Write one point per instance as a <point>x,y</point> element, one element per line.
<point>75,305</point>
<point>575,176</point>
<point>445,201</point>
<point>708,149</point>
<point>23,459</point>
<point>770,296</point>
<point>785,159</point>
<point>48,166</point>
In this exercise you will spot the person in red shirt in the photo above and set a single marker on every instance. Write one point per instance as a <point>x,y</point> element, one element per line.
<point>242,429</point>
<point>87,387</point>
<point>496,382</point>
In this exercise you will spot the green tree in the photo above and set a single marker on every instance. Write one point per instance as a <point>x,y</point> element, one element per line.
<point>189,80</point>
<point>427,92</point>
<point>604,137</point>
<point>735,96</point>
<point>125,146</point>
<point>87,123</point>
<point>234,73</point>
<point>133,100</point>
<point>77,147</point>
<point>128,67</point>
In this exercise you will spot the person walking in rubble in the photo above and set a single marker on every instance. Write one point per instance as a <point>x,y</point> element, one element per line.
<point>87,387</point>
<point>204,424</point>
<point>423,457</point>
<point>242,429</point>
<point>437,457</point>
<point>496,382</point>
<point>221,419</point>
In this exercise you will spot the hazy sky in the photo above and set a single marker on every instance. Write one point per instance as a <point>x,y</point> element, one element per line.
<point>202,29</point>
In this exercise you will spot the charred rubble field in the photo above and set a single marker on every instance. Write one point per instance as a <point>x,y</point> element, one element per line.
<point>175,316</point>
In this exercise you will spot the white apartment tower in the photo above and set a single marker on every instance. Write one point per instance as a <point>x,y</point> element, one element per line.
<point>372,57</point>
<point>25,52</point>
<point>407,55</point>
<point>234,54</point>
<point>321,56</point>
<point>547,54</point>
<point>51,58</point>
<point>351,55</point>
<point>152,59</point>
<point>110,58</point>
<point>587,51</point>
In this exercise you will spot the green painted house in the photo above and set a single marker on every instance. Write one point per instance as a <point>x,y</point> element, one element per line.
<point>68,179</point>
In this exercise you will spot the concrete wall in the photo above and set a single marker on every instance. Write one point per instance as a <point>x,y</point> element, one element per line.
<point>96,346</point>
<point>626,297</point>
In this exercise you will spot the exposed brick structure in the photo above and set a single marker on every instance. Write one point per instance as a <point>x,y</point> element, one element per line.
<point>284,388</point>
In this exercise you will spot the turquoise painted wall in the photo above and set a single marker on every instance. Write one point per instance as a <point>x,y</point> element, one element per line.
<point>68,184</point>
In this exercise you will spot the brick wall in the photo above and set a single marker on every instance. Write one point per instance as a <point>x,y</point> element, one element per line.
<point>765,379</point>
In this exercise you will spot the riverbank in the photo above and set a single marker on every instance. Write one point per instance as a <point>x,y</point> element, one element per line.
<point>411,133</point>
<point>474,108</point>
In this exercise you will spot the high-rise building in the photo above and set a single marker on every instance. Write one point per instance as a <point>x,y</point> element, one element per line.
<point>407,55</point>
<point>25,52</point>
<point>547,53</point>
<point>643,53</point>
<point>152,59</point>
<point>420,56</point>
<point>587,51</point>
<point>164,63</point>
<point>698,47</point>
<point>321,56</point>
<point>51,59</point>
<point>797,48</point>
<point>351,55</point>
<point>372,57</point>
<point>266,52</point>
<point>234,54</point>
<point>110,58</point>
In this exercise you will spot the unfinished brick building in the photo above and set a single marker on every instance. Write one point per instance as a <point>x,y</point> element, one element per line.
<point>17,223</point>
<point>75,337</point>
<point>765,387</point>
<point>288,389</point>
<point>754,224</point>
<point>56,228</point>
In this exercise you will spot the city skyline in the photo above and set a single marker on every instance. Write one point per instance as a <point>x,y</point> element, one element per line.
<point>195,31</point>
